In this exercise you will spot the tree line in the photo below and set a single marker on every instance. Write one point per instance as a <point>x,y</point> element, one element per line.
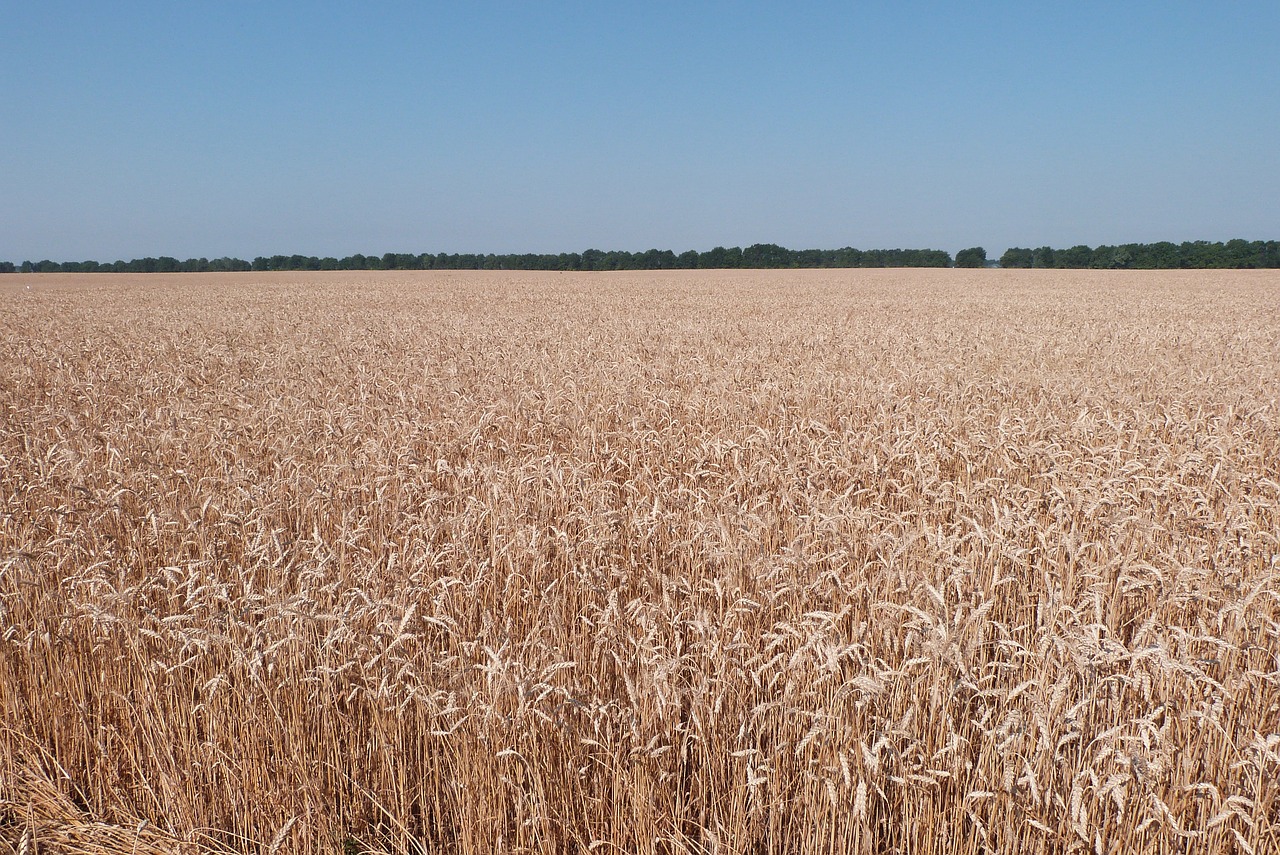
<point>1135,256</point>
<point>761,255</point>
<point>1164,255</point>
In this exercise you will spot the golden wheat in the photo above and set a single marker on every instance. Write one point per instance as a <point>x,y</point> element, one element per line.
<point>716,562</point>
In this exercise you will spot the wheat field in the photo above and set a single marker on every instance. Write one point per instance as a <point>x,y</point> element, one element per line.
<point>698,562</point>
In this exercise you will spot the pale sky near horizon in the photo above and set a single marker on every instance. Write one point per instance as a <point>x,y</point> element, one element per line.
<point>254,128</point>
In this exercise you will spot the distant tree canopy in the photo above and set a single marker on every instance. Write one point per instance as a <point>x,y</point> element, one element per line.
<point>1188,255</point>
<point>163,264</point>
<point>761,255</point>
<point>1015,257</point>
<point>1137,256</point>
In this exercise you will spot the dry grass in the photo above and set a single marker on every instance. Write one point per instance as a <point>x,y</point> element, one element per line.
<point>794,562</point>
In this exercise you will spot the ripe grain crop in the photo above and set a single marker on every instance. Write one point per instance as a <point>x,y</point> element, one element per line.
<point>698,562</point>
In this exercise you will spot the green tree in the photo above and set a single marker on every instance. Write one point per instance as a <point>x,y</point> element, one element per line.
<point>1163,255</point>
<point>715,258</point>
<point>1239,253</point>
<point>1102,256</point>
<point>766,255</point>
<point>974,256</point>
<point>658,259</point>
<point>1076,257</point>
<point>1043,257</point>
<point>848,257</point>
<point>1269,253</point>
<point>1016,257</point>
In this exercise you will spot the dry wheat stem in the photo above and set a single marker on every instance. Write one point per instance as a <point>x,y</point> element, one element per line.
<point>717,562</point>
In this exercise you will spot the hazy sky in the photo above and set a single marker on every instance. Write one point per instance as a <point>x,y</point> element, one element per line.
<point>208,129</point>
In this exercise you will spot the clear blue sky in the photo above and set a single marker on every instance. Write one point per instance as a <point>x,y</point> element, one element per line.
<point>326,128</point>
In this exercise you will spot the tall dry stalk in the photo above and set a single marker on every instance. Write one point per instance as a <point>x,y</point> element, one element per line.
<point>720,562</point>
